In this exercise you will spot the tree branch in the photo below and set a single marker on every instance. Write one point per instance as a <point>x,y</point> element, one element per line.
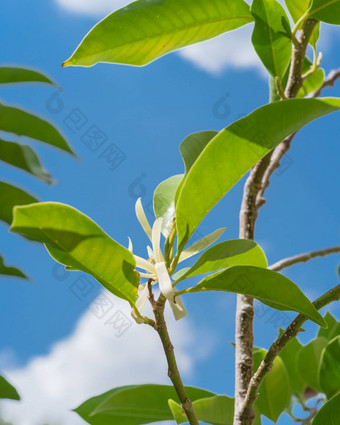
<point>290,333</point>
<point>173,372</point>
<point>301,258</point>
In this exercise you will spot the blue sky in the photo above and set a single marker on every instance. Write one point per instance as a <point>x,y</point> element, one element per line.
<point>145,113</point>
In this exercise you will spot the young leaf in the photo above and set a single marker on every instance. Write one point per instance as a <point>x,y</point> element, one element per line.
<point>22,123</point>
<point>270,39</point>
<point>274,393</point>
<point>217,410</point>
<point>329,414</point>
<point>226,254</point>
<point>24,157</point>
<point>145,30</point>
<point>329,371</point>
<point>76,241</point>
<point>11,74</point>
<point>10,271</point>
<point>297,8</point>
<point>333,329</point>
<point>289,357</point>
<point>164,201</point>
<point>10,197</point>
<point>326,11</point>
<point>309,360</point>
<point>7,390</point>
<point>232,153</point>
<point>263,284</point>
<point>134,405</point>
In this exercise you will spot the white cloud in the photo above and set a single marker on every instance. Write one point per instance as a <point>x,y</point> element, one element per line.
<point>97,8</point>
<point>91,361</point>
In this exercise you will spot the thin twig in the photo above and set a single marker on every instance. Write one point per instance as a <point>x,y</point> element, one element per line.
<point>301,258</point>
<point>330,81</point>
<point>275,349</point>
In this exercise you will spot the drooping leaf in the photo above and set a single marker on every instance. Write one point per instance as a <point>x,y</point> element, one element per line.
<point>24,157</point>
<point>76,241</point>
<point>329,371</point>
<point>134,405</point>
<point>309,360</point>
<point>11,74</point>
<point>10,196</point>
<point>217,410</point>
<point>226,254</point>
<point>232,153</point>
<point>326,11</point>
<point>329,414</point>
<point>22,123</point>
<point>164,201</point>
<point>297,8</point>
<point>275,392</point>
<point>263,284</point>
<point>7,390</point>
<point>10,271</point>
<point>145,30</point>
<point>333,329</point>
<point>270,38</point>
<point>289,357</point>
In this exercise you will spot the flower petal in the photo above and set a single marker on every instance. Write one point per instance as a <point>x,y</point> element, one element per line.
<point>156,239</point>
<point>144,264</point>
<point>201,244</point>
<point>165,284</point>
<point>142,218</point>
<point>140,304</point>
<point>178,308</point>
<point>130,247</point>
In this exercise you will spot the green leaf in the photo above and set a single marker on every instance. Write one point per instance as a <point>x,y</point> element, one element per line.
<point>333,329</point>
<point>297,8</point>
<point>274,393</point>
<point>24,157</point>
<point>309,360</point>
<point>145,30</point>
<point>226,254</point>
<point>263,284</point>
<point>10,197</point>
<point>329,371</point>
<point>232,153</point>
<point>76,241</point>
<point>312,83</point>
<point>134,405</point>
<point>11,74</point>
<point>326,11</point>
<point>22,123</point>
<point>7,390</point>
<point>164,201</point>
<point>270,37</point>
<point>329,414</point>
<point>10,271</point>
<point>217,410</point>
<point>289,357</point>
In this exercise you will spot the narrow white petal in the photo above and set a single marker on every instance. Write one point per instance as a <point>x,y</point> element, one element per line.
<point>150,252</point>
<point>156,239</point>
<point>165,284</point>
<point>201,244</point>
<point>178,308</point>
<point>147,275</point>
<point>144,264</point>
<point>140,304</point>
<point>130,247</point>
<point>142,218</point>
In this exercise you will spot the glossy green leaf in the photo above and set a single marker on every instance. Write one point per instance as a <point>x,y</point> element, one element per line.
<point>76,241</point>
<point>133,405</point>
<point>309,360</point>
<point>289,357</point>
<point>329,414</point>
<point>10,271</point>
<point>275,392</point>
<point>11,196</point>
<point>232,153</point>
<point>7,390</point>
<point>312,83</point>
<point>297,8</point>
<point>24,157</point>
<point>270,38</point>
<point>217,410</point>
<point>11,74</point>
<point>263,284</point>
<point>333,329</point>
<point>22,123</point>
<point>329,371</point>
<point>145,30</point>
<point>326,11</point>
<point>226,254</point>
<point>164,201</point>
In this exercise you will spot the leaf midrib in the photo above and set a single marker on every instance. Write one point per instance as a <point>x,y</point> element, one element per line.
<point>322,7</point>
